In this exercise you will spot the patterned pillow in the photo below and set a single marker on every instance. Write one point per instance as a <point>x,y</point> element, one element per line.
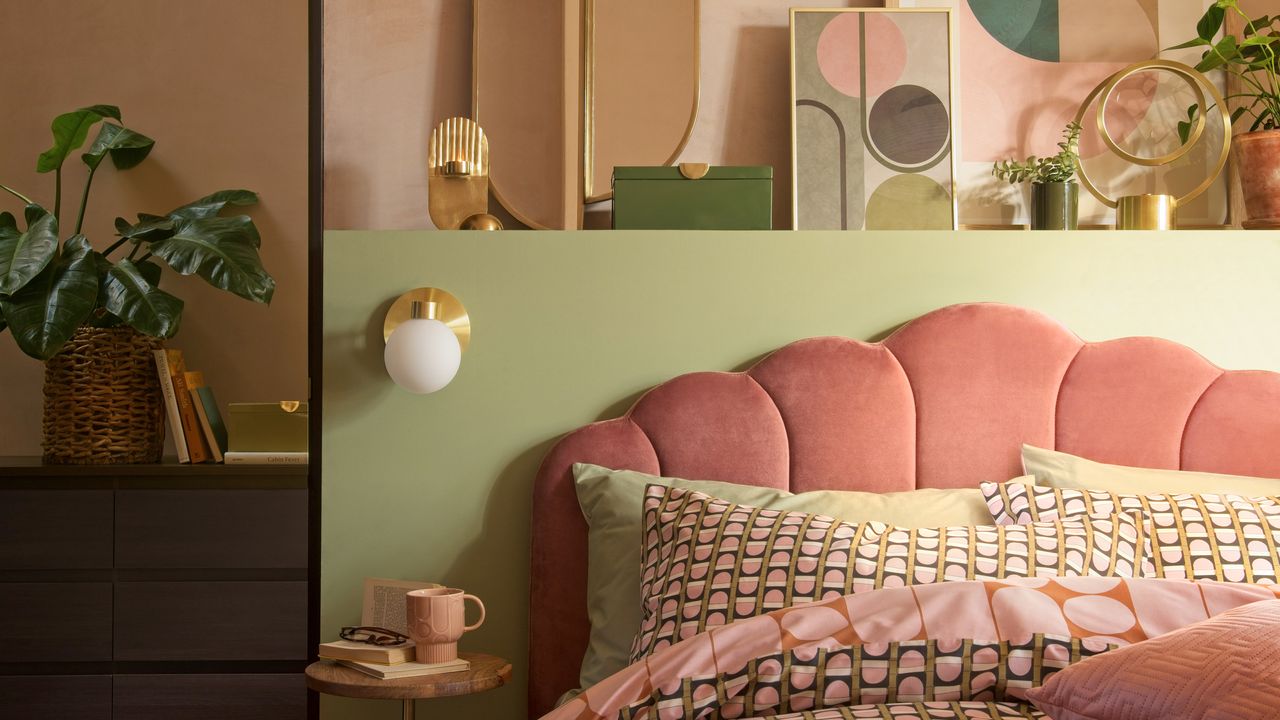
<point>709,562</point>
<point>1191,536</point>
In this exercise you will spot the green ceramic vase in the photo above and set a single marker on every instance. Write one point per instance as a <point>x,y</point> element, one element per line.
<point>1054,205</point>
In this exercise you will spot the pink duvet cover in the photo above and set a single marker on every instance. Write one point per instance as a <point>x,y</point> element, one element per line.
<point>951,650</point>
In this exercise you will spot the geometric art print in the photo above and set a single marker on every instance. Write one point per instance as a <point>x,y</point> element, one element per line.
<point>872,120</point>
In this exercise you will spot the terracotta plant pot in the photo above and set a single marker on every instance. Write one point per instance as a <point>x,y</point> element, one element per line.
<point>1054,205</point>
<point>1257,155</point>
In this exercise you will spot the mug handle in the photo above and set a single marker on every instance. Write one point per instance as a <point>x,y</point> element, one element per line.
<point>469,628</point>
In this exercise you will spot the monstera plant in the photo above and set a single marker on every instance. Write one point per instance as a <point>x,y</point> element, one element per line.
<point>54,281</point>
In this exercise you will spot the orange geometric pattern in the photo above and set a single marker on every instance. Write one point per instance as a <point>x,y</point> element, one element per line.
<point>1224,667</point>
<point>1097,611</point>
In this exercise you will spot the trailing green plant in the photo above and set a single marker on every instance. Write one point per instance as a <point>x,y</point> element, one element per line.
<point>1250,56</point>
<point>1058,168</point>
<point>50,287</point>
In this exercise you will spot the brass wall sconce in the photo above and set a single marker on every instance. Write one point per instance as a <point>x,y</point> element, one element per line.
<point>425,330</point>
<point>458,177</point>
<point>1157,211</point>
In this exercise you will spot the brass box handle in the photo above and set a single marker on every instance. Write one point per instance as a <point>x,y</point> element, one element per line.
<point>694,171</point>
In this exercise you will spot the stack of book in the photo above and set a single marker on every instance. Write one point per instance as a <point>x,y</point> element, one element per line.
<point>199,435</point>
<point>385,662</point>
<point>268,433</point>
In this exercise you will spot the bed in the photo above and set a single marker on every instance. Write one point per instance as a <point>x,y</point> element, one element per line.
<point>946,400</point>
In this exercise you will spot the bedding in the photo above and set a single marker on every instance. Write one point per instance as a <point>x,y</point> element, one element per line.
<point>1063,470</point>
<point>612,502</point>
<point>977,645</point>
<point>708,562</point>
<point>1191,536</point>
<point>1225,667</point>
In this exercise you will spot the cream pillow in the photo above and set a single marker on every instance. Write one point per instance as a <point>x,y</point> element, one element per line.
<point>1060,470</point>
<point>612,502</point>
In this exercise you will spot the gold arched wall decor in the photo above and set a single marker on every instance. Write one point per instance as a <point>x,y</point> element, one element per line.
<point>640,85</point>
<point>608,82</point>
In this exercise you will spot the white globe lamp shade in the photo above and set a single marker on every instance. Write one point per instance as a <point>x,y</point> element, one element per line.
<point>422,355</point>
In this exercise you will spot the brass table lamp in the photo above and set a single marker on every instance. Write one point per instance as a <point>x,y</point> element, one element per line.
<point>458,177</point>
<point>1156,211</point>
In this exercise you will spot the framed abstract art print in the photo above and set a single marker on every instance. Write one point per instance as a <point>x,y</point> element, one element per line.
<point>872,125</point>
<point>1024,66</point>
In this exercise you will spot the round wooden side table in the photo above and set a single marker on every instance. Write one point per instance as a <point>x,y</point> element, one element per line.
<point>486,673</point>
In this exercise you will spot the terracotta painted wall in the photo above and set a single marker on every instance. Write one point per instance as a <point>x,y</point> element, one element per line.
<point>222,87</point>
<point>395,68</point>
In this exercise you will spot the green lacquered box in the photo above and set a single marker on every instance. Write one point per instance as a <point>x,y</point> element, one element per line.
<point>267,427</point>
<point>677,198</point>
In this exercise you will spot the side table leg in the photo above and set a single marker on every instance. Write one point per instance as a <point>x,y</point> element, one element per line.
<point>408,710</point>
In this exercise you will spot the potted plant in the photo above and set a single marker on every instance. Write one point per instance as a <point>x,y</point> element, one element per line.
<point>1055,196</point>
<point>93,316</point>
<point>1250,57</point>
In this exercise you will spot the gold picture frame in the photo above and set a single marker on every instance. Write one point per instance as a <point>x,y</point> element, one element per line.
<point>948,149</point>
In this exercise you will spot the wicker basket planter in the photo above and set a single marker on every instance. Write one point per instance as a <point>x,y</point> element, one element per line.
<point>102,401</point>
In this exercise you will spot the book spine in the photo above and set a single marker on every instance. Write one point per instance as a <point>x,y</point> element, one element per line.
<point>205,426</point>
<point>266,458</point>
<point>171,406</point>
<point>196,446</point>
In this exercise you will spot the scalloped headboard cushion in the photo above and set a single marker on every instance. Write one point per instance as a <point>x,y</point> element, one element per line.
<point>945,401</point>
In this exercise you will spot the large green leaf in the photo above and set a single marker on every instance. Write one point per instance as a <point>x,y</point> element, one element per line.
<point>220,250</point>
<point>126,147</point>
<point>211,205</point>
<point>130,295</point>
<point>45,313</point>
<point>148,227</point>
<point>1211,22</point>
<point>24,255</point>
<point>69,132</point>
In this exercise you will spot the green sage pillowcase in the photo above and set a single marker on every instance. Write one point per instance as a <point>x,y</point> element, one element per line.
<point>612,502</point>
<point>1062,470</point>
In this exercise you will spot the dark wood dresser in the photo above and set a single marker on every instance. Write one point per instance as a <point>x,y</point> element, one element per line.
<point>141,592</point>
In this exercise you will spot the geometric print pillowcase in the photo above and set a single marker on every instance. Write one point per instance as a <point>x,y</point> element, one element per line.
<point>708,562</point>
<point>1192,536</point>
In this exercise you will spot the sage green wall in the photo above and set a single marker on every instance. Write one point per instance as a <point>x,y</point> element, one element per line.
<point>570,327</point>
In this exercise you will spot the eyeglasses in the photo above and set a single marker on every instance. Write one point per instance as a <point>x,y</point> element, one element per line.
<point>373,636</point>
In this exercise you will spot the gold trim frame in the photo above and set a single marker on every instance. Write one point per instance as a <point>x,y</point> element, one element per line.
<point>475,116</point>
<point>589,195</point>
<point>953,118</point>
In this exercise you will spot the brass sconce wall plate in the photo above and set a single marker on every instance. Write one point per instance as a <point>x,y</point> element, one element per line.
<point>447,309</point>
<point>457,173</point>
<point>1156,211</point>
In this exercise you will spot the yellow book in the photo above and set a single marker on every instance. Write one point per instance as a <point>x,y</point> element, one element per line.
<point>366,653</point>
<point>408,669</point>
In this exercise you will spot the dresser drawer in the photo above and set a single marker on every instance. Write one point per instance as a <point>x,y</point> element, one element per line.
<point>211,529</point>
<point>210,697</point>
<point>56,697</point>
<point>157,621</point>
<point>55,622</point>
<point>55,529</point>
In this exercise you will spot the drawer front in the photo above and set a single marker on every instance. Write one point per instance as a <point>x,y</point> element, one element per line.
<point>55,529</point>
<point>55,622</point>
<point>210,697</point>
<point>211,529</point>
<point>156,621</point>
<point>56,697</point>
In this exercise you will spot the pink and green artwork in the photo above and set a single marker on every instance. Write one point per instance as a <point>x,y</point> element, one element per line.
<point>1024,66</point>
<point>872,119</point>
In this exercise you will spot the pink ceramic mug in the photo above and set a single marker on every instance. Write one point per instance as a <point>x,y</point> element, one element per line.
<point>436,620</point>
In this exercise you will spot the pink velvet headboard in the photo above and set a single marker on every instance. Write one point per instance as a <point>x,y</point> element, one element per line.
<point>945,401</point>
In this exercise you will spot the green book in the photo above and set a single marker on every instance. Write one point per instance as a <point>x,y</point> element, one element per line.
<point>214,417</point>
